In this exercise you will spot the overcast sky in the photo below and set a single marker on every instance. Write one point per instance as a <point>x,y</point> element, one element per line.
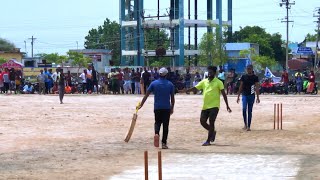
<point>59,24</point>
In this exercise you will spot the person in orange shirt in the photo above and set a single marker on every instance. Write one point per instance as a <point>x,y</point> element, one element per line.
<point>67,89</point>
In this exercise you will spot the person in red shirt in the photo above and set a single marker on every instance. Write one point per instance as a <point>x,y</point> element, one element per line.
<point>1,82</point>
<point>285,80</point>
<point>312,79</point>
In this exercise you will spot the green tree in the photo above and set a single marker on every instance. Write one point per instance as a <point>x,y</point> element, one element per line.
<point>260,62</point>
<point>269,45</point>
<point>311,37</point>
<point>78,59</point>
<point>2,60</point>
<point>106,36</point>
<point>5,45</point>
<point>210,50</point>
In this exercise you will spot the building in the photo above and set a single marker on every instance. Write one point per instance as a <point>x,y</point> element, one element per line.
<point>14,54</point>
<point>235,60</point>
<point>100,57</point>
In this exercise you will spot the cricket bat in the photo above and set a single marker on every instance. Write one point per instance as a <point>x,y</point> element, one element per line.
<point>133,123</point>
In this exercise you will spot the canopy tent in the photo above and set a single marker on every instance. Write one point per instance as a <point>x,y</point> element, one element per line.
<point>12,63</point>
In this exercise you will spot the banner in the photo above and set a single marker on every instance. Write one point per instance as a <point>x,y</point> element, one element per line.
<point>268,73</point>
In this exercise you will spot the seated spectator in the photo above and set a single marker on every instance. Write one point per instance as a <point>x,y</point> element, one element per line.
<point>67,89</point>
<point>267,87</point>
<point>28,89</point>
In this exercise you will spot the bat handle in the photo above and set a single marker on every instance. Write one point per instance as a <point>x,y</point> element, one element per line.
<point>138,106</point>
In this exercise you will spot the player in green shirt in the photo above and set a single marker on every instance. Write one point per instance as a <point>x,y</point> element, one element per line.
<point>211,88</point>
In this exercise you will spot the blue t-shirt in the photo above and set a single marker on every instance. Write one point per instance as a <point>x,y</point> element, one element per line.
<point>162,90</point>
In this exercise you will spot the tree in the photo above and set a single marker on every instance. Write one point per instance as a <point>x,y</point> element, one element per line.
<point>5,45</point>
<point>269,45</point>
<point>2,60</point>
<point>106,36</point>
<point>210,51</point>
<point>78,59</point>
<point>311,37</point>
<point>260,62</point>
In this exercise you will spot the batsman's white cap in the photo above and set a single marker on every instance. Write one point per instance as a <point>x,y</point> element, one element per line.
<point>163,71</point>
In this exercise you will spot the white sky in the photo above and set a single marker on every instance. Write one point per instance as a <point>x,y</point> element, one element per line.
<point>59,24</point>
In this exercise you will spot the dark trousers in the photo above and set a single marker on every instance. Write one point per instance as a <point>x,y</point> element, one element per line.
<point>47,86</point>
<point>6,87</point>
<point>162,116</point>
<point>61,92</point>
<point>132,88</point>
<point>145,87</point>
<point>84,87</point>
<point>247,103</point>
<point>212,115</point>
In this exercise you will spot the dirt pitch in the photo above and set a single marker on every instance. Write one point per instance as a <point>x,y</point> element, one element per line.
<point>83,138</point>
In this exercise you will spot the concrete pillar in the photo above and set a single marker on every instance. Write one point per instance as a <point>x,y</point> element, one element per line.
<point>122,18</point>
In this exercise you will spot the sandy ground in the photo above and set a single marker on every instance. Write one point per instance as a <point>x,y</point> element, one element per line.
<point>83,138</point>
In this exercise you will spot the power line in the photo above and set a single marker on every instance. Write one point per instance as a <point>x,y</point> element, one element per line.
<point>288,6</point>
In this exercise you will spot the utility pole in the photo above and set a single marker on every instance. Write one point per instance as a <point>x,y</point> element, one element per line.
<point>288,6</point>
<point>25,47</point>
<point>77,45</point>
<point>32,41</point>
<point>317,42</point>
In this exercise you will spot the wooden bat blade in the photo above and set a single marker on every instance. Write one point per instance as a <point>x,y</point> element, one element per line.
<point>130,131</point>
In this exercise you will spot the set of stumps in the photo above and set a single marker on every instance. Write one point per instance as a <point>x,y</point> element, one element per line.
<point>277,116</point>
<point>146,166</point>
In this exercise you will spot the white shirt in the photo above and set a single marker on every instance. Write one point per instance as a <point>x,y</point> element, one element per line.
<point>83,77</point>
<point>54,76</point>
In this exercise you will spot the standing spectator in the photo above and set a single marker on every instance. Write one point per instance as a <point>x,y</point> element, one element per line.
<point>69,79</point>
<point>146,79</point>
<point>299,81</point>
<point>46,81</point>
<point>311,83</point>
<point>12,78</point>
<point>230,81</point>
<point>120,81</point>
<point>1,82</point>
<point>155,74</point>
<point>89,80</point>
<point>61,86</point>
<point>285,80</point>
<point>132,78</point>
<point>41,78</point>
<point>187,79</point>
<point>94,80</point>
<point>137,78</point>
<point>51,82</point>
<point>18,80</point>
<point>127,82</point>
<point>6,80</point>
<point>249,86</point>
<point>83,77</point>
<point>221,74</point>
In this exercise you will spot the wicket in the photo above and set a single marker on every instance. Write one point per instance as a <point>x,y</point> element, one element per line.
<point>277,116</point>
<point>146,174</point>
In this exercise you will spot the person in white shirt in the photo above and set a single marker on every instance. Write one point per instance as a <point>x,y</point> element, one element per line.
<point>55,76</point>
<point>83,77</point>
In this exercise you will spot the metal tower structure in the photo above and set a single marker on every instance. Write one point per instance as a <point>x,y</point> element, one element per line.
<point>133,24</point>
